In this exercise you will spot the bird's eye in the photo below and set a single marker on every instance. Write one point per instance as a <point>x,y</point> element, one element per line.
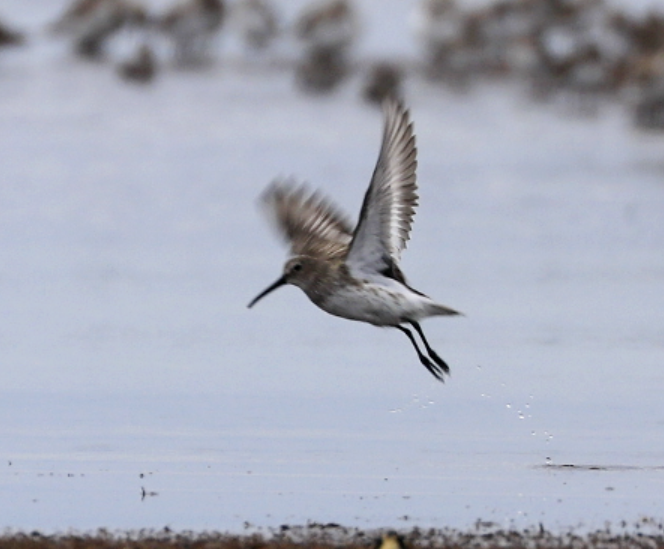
<point>297,267</point>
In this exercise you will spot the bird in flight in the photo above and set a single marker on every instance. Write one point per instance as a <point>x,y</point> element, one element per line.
<point>354,273</point>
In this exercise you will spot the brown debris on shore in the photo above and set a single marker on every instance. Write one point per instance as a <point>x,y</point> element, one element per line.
<point>648,534</point>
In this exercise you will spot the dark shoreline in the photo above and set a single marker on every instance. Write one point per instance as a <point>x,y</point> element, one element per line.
<point>648,534</point>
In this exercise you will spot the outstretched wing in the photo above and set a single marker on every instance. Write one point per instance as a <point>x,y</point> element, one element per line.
<point>389,204</point>
<point>306,220</point>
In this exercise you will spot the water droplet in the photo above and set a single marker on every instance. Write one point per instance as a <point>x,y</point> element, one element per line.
<point>508,406</point>
<point>520,415</point>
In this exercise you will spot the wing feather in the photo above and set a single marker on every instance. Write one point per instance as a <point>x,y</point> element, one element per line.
<point>307,221</point>
<point>389,204</point>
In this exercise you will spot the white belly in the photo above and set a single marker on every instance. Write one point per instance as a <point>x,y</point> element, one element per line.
<point>376,304</point>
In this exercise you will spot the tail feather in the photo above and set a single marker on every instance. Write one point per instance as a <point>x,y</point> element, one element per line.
<point>440,310</point>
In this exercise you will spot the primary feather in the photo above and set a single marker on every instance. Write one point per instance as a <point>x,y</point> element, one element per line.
<point>389,204</point>
<point>310,223</point>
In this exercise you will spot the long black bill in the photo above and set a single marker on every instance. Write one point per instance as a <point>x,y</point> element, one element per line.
<point>277,284</point>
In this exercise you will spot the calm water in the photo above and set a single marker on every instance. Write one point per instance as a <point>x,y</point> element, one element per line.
<point>136,389</point>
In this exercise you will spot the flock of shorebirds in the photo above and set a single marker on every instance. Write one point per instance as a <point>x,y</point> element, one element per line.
<point>584,50</point>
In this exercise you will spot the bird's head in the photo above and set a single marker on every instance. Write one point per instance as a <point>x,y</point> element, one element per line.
<point>299,271</point>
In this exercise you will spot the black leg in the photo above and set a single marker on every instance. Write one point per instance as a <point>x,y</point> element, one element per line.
<point>435,370</point>
<point>439,361</point>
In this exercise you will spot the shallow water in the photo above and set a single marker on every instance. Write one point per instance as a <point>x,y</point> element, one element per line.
<point>138,391</point>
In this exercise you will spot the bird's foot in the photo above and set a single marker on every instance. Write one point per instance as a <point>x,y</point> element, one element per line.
<point>436,370</point>
<point>439,361</point>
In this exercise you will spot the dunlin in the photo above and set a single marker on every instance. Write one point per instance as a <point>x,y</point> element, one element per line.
<point>354,273</point>
<point>91,23</point>
<point>10,36</point>
<point>257,22</point>
<point>192,25</point>
<point>141,68</point>
<point>328,25</point>
<point>327,30</point>
<point>383,80</point>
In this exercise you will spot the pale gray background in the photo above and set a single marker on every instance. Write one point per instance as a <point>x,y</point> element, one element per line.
<point>130,244</point>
